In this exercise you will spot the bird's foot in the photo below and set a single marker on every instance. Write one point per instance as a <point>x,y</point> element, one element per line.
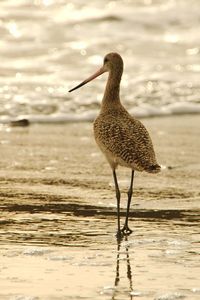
<point>126,230</point>
<point>123,232</point>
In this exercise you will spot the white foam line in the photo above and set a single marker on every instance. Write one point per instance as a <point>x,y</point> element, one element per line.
<point>139,112</point>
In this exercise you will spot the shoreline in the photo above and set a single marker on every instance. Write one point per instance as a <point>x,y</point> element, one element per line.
<point>64,119</point>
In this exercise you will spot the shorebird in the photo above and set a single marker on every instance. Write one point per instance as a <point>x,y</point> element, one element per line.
<point>123,139</point>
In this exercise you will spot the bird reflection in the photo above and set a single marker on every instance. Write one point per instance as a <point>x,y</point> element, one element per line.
<point>128,266</point>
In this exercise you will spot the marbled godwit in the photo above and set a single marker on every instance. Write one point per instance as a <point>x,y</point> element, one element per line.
<point>123,139</point>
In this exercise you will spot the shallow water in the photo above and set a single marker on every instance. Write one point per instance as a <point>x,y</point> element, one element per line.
<point>48,46</point>
<point>158,261</point>
<point>58,217</point>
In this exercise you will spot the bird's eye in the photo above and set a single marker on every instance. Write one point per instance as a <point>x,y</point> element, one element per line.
<point>105,60</point>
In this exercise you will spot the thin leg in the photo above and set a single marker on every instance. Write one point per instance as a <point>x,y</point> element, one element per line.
<point>126,229</point>
<point>118,202</point>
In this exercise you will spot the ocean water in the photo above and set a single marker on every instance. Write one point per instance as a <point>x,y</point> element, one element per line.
<point>48,46</point>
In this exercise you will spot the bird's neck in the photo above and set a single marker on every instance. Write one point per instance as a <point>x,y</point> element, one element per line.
<point>111,95</point>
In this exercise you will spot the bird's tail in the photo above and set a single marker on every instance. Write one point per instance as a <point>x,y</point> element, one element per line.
<point>153,169</point>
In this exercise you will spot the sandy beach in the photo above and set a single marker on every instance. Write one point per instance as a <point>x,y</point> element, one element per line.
<point>62,162</point>
<point>58,212</point>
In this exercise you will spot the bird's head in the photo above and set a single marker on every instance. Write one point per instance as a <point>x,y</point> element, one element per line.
<point>112,63</point>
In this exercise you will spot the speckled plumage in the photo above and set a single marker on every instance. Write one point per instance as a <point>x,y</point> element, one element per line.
<point>123,139</point>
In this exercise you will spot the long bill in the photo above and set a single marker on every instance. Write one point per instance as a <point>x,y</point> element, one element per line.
<point>96,74</point>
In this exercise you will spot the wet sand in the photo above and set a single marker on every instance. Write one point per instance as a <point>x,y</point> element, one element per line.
<point>58,216</point>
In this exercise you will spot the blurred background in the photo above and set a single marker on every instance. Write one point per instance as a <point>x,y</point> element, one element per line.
<point>48,46</point>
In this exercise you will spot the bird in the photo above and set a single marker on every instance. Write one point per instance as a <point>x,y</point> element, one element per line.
<point>121,137</point>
